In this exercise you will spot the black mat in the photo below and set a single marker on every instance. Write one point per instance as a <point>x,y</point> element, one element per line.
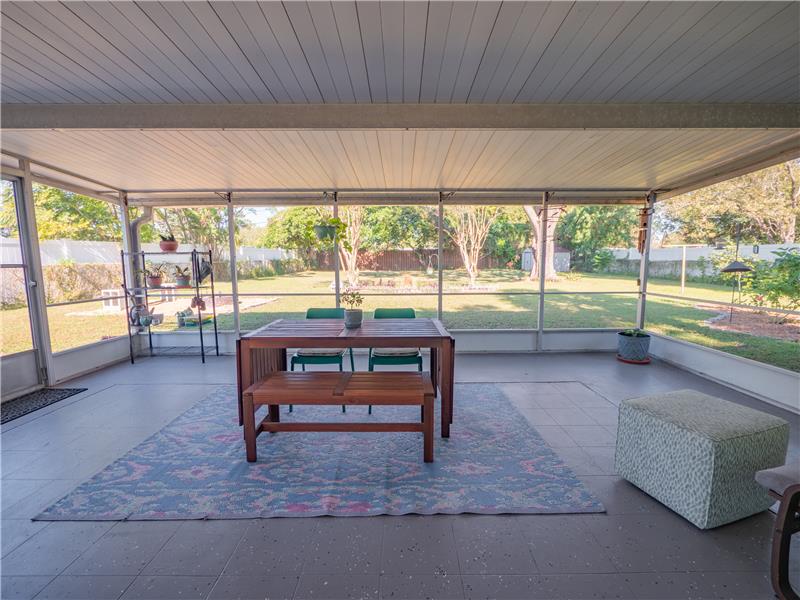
<point>19,407</point>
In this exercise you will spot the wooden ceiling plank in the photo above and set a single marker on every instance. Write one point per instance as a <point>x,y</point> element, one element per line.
<point>325,63</point>
<point>128,16</point>
<point>415,25</point>
<point>439,14</point>
<point>346,24</point>
<point>330,39</point>
<point>480,31</point>
<point>392,35</point>
<point>37,84</point>
<point>669,73</point>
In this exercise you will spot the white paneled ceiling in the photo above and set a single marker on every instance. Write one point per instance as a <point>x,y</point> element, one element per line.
<point>390,159</point>
<point>413,52</point>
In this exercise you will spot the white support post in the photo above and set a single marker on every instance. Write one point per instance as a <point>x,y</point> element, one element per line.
<point>127,245</point>
<point>232,263</point>
<point>439,243</point>
<point>683,269</point>
<point>336,276</point>
<point>644,262</point>
<point>37,300</point>
<point>542,267</point>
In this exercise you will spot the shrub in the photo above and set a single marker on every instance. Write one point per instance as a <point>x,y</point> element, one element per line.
<point>777,285</point>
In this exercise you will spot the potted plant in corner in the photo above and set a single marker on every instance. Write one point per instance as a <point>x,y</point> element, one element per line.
<point>168,243</point>
<point>353,315</point>
<point>155,275</point>
<point>183,276</point>
<point>633,346</point>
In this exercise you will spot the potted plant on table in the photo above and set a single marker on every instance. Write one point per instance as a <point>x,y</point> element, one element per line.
<point>633,346</point>
<point>353,315</point>
<point>183,276</point>
<point>168,243</point>
<point>155,275</point>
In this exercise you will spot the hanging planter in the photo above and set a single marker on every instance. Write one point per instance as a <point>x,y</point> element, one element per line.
<point>325,232</point>
<point>633,346</point>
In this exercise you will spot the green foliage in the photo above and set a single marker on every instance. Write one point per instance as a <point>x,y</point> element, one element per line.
<point>602,260</point>
<point>508,236</point>
<point>777,285</point>
<point>391,227</point>
<point>293,229</point>
<point>722,258</point>
<point>64,215</point>
<point>351,298</point>
<point>585,230</point>
<point>635,332</point>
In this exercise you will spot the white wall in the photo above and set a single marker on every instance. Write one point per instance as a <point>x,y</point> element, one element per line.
<point>766,252</point>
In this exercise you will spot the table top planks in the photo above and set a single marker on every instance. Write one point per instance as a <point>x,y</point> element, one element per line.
<point>373,332</point>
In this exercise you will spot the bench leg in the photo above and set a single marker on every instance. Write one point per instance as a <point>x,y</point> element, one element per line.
<point>249,415</point>
<point>427,422</point>
<point>786,525</point>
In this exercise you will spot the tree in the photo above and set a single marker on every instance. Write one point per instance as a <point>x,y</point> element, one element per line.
<point>534,214</point>
<point>206,227</point>
<point>587,230</point>
<point>293,229</point>
<point>765,204</point>
<point>65,215</point>
<point>353,219</point>
<point>468,227</point>
<point>390,227</point>
<point>509,235</point>
<point>777,284</point>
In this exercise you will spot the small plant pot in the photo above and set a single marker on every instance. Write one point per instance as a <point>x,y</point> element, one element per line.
<point>353,318</point>
<point>145,320</point>
<point>183,282</point>
<point>633,348</point>
<point>168,245</point>
<point>325,232</point>
<point>154,281</point>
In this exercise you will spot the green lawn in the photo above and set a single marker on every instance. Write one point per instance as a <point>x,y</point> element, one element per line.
<point>493,308</point>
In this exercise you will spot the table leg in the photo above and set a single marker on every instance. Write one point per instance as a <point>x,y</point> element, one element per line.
<point>434,369</point>
<point>243,373</point>
<point>249,428</point>
<point>427,422</point>
<point>446,384</point>
<point>452,376</point>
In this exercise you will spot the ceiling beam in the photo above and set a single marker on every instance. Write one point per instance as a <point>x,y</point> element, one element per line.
<point>400,116</point>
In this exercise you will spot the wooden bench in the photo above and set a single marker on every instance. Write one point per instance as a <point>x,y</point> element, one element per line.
<point>335,389</point>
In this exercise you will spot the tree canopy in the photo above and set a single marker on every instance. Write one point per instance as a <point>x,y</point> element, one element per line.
<point>585,230</point>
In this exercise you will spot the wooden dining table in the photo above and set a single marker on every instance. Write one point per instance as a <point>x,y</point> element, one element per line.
<point>263,351</point>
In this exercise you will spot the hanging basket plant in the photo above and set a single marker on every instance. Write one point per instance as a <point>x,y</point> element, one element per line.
<point>330,229</point>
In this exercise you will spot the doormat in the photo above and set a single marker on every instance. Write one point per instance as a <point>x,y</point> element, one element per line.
<point>19,407</point>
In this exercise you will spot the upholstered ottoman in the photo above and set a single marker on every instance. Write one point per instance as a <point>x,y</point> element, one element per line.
<point>698,454</point>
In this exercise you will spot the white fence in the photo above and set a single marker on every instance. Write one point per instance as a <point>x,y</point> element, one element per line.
<point>84,252</point>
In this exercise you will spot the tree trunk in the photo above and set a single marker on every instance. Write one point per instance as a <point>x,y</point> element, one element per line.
<point>793,169</point>
<point>534,214</point>
<point>353,218</point>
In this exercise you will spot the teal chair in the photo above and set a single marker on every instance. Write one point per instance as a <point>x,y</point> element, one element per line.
<point>394,356</point>
<point>322,356</point>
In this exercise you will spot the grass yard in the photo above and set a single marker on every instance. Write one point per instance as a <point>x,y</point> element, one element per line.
<point>506,299</point>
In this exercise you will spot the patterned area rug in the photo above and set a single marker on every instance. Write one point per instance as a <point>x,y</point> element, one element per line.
<point>19,407</point>
<point>194,468</point>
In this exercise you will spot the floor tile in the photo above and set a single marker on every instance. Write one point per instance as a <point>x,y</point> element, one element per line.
<point>14,532</point>
<point>419,545</point>
<point>492,544</point>
<point>51,553</point>
<point>254,587</point>
<point>621,497</point>
<point>556,400</point>
<point>549,587</point>
<point>149,587</point>
<point>193,552</point>
<point>578,460</point>
<point>272,547</point>
<point>537,416</point>
<point>716,585</point>
<point>344,546</point>
<point>570,416</point>
<point>590,435</point>
<point>564,544</point>
<point>22,587</point>
<point>68,587</point>
<point>421,587</point>
<point>337,586</point>
<point>603,416</point>
<point>124,550</point>
<point>555,436</point>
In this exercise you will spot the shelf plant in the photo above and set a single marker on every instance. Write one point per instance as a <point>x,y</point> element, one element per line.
<point>182,275</point>
<point>168,243</point>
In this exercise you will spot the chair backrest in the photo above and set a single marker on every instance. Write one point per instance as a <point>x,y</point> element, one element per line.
<point>325,313</point>
<point>395,313</point>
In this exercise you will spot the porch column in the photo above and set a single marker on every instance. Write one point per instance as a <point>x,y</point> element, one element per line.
<point>644,260</point>
<point>336,277</point>
<point>542,262</point>
<point>37,299</point>
<point>127,241</point>
<point>440,234</point>
<point>232,263</point>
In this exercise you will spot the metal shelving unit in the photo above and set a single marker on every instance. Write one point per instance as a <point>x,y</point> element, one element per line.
<point>140,296</point>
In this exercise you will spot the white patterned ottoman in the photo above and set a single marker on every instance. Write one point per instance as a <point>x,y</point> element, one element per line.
<point>698,454</point>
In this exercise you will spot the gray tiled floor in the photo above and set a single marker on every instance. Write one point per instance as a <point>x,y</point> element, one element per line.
<point>638,549</point>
